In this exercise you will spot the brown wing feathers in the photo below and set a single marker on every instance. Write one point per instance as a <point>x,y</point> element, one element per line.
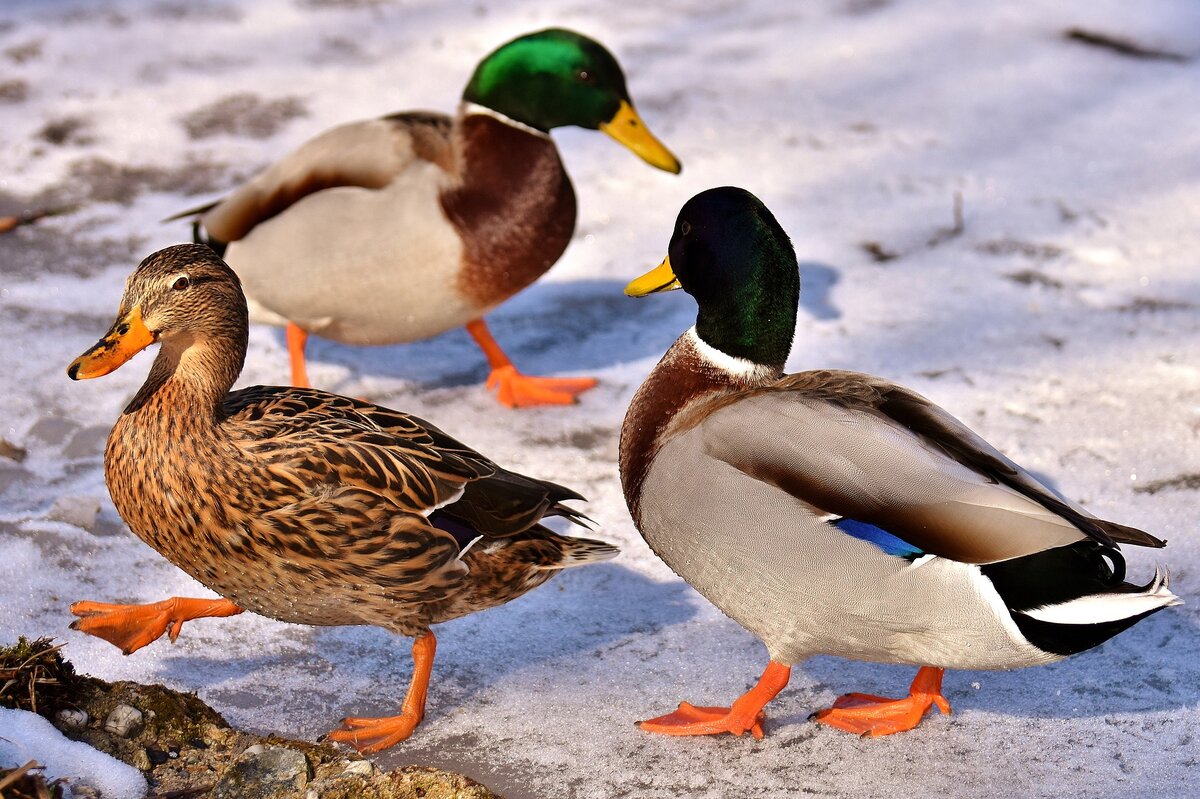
<point>362,157</point>
<point>926,420</point>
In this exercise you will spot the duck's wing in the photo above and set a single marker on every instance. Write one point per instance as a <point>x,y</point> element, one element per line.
<point>872,457</point>
<point>326,438</point>
<point>368,154</point>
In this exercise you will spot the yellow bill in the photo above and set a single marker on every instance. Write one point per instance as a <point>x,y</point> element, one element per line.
<point>126,338</point>
<point>629,129</point>
<point>660,278</point>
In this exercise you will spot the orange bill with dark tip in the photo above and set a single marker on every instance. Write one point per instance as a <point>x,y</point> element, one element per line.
<point>127,337</point>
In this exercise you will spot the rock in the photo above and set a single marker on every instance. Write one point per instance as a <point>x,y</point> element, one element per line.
<point>125,721</point>
<point>52,430</point>
<point>70,720</point>
<point>77,511</point>
<point>265,772</point>
<point>87,442</point>
<point>214,734</point>
<point>359,768</point>
<point>11,451</point>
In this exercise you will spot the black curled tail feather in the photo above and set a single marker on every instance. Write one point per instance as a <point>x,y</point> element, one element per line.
<point>1057,575</point>
<point>1062,599</point>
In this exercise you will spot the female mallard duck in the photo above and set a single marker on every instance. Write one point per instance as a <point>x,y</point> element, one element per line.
<point>297,504</point>
<point>397,229</point>
<point>838,513</point>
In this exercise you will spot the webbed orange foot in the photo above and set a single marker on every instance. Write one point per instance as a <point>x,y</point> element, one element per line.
<point>692,720</point>
<point>516,390</point>
<point>745,714</point>
<point>131,627</point>
<point>375,735</point>
<point>871,716</point>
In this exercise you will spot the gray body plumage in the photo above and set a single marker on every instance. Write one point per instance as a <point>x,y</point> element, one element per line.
<point>746,480</point>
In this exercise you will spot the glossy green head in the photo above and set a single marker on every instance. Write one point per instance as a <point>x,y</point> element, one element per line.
<point>557,77</point>
<point>550,79</point>
<point>729,253</point>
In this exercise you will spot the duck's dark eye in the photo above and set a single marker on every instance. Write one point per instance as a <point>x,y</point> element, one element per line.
<point>586,77</point>
<point>684,228</point>
<point>181,283</point>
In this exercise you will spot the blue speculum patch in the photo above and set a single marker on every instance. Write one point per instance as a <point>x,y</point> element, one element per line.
<point>881,538</point>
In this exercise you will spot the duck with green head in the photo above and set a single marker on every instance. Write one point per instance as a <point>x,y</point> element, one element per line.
<point>397,229</point>
<point>833,512</point>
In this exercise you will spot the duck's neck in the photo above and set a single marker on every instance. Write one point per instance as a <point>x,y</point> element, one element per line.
<point>513,204</point>
<point>691,372</point>
<point>190,378</point>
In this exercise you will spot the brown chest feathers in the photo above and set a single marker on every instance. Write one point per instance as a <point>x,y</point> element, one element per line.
<point>514,209</point>
<point>674,398</point>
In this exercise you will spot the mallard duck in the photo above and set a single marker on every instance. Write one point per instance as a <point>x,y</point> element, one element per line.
<point>832,512</point>
<point>298,504</point>
<point>397,229</point>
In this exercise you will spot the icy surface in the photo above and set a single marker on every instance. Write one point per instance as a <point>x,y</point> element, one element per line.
<point>26,736</point>
<point>1062,321</point>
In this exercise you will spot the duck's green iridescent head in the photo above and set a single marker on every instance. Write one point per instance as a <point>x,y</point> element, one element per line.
<point>557,77</point>
<point>730,253</point>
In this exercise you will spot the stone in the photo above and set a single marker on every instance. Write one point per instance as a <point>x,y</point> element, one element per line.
<point>359,768</point>
<point>11,451</point>
<point>53,430</point>
<point>88,442</point>
<point>125,721</point>
<point>69,719</point>
<point>265,772</point>
<point>77,511</point>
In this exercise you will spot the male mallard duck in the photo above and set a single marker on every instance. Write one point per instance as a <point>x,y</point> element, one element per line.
<point>298,504</point>
<point>397,229</point>
<point>838,513</point>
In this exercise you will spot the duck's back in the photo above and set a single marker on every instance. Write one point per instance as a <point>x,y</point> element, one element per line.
<point>398,229</point>
<point>348,237</point>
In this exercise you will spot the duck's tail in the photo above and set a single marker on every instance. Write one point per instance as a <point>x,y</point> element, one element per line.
<point>579,552</point>
<point>1068,599</point>
<point>1134,602</point>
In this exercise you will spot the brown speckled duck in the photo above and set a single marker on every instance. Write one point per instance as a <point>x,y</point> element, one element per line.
<point>393,230</point>
<point>298,504</point>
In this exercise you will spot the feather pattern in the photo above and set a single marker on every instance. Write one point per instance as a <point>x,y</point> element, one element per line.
<point>311,507</point>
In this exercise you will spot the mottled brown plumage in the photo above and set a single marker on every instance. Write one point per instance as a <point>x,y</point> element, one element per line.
<point>302,505</point>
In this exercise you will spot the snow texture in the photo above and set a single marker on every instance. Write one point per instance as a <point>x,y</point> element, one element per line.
<point>1061,320</point>
<point>26,736</point>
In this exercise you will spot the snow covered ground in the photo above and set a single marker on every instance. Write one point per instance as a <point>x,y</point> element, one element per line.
<point>1062,321</point>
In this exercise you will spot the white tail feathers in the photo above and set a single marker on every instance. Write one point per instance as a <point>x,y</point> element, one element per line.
<point>1100,608</point>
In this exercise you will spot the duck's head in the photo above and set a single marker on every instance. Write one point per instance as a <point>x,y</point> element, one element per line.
<point>178,296</point>
<point>730,254</point>
<point>557,77</point>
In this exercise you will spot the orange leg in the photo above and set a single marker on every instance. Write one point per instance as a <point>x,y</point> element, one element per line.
<point>375,735</point>
<point>8,223</point>
<point>745,714</point>
<point>297,338</point>
<point>131,627</point>
<point>869,715</point>
<point>516,390</point>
